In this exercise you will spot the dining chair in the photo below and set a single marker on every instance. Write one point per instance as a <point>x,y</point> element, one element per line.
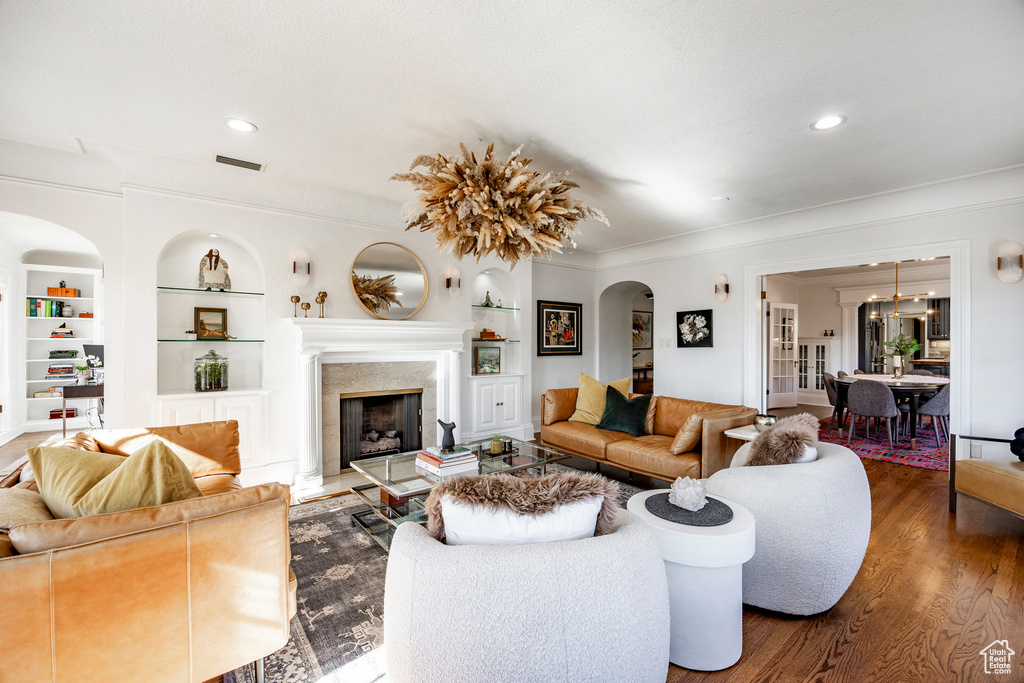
<point>842,374</point>
<point>871,399</point>
<point>920,372</point>
<point>936,408</point>
<point>858,371</point>
<point>830,391</point>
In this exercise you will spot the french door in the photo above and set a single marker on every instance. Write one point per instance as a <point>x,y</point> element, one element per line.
<point>782,356</point>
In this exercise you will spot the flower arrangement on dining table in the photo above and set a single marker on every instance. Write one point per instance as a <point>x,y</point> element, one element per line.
<point>902,346</point>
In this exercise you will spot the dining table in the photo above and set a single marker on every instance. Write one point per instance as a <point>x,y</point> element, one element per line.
<point>908,386</point>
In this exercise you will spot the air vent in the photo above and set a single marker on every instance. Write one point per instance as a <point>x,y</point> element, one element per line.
<point>251,165</point>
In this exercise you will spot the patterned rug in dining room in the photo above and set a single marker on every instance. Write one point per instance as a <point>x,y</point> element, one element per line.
<point>338,629</point>
<point>928,454</point>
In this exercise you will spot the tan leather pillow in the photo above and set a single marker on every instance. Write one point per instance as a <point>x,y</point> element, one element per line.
<point>78,483</point>
<point>590,400</point>
<point>62,533</point>
<point>689,434</point>
<point>206,448</point>
<point>20,506</point>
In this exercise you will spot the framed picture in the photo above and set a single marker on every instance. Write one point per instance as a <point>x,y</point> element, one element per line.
<point>486,360</point>
<point>211,323</point>
<point>695,329</point>
<point>558,328</point>
<point>643,322</point>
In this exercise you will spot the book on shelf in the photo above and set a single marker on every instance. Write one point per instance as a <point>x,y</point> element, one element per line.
<point>457,451</point>
<point>469,467</point>
<point>55,414</point>
<point>60,354</point>
<point>69,292</point>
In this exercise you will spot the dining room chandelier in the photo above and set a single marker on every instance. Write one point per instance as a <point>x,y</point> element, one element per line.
<point>897,297</point>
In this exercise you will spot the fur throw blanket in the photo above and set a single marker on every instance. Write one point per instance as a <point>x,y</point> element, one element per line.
<point>524,496</point>
<point>786,442</point>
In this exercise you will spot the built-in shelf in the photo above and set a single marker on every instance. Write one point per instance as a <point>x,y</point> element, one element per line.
<point>47,381</point>
<point>54,317</point>
<point>51,360</point>
<point>60,298</point>
<point>214,341</point>
<point>189,290</point>
<point>200,394</point>
<point>494,308</point>
<point>75,423</point>
<point>59,398</point>
<point>60,339</point>
<point>499,341</point>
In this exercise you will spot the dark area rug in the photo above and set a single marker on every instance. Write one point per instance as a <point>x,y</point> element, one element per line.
<point>339,624</point>
<point>928,454</point>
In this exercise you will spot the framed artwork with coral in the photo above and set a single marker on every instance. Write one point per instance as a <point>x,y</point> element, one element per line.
<point>695,329</point>
<point>643,324</point>
<point>559,325</point>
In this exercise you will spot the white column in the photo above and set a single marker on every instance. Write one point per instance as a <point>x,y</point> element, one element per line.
<point>848,337</point>
<point>310,478</point>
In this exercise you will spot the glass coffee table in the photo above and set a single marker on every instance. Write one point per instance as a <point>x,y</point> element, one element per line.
<point>399,489</point>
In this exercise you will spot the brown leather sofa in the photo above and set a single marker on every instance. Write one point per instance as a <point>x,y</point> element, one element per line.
<point>179,592</point>
<point>649,454</point>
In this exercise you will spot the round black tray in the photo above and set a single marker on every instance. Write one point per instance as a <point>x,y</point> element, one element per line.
<point>714,512</point>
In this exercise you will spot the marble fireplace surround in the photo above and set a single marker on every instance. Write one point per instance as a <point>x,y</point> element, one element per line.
<point>325,341</point>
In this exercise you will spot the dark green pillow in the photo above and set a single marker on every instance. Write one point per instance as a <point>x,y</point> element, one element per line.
<point>624,415</point>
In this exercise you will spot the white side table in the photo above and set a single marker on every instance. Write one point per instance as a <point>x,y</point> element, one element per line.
<point>705,584</point>
<point>745,433</point>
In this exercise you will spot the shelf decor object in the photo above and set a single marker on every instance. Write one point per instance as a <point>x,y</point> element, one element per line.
<point>210,324</point>
<point>559,326</point>
<point>213,272</point>
<point>321,297</point>
<point>211,372</point>
<point>295,304</point>
<point>494,207</point>
<point>486,360</point>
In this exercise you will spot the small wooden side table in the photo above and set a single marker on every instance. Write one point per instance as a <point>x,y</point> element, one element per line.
<point>76,391</point>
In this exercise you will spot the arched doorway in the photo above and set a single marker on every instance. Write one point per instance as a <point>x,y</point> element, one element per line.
<point>622,345</point>
<point>35,310</point>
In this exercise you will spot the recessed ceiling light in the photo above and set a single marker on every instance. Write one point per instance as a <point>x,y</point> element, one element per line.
<point>213,234</point>
<point>240,125</point>
<point>826,122</point>
<point>718,199</point>
<point>872,264</point>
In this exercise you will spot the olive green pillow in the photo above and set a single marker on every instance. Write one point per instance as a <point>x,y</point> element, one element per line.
<point>623,414</point>
<point>591,397</point>
<point>79,483</point>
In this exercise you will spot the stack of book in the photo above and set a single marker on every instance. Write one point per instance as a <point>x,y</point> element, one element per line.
<point>57,414</point>
<point>460,461</point>
<point>62,333</point>
<point>60,371</point>
<point>69,292</point>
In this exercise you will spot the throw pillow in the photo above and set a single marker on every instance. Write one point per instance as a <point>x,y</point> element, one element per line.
<point>690,433</point>
<point>21,506</point>
<point>78,442</point>
<point>792,439</point>
<point>79,483</point>
<point>591,398</point>
<point>623,414</point>
<point>502,509</point>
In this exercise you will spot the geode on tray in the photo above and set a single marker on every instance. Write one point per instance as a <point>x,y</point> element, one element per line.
<point>688,494</point>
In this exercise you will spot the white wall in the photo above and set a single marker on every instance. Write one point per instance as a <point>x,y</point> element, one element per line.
<point>554,281</point>
<point>819,311</point>
<point>985,210</point>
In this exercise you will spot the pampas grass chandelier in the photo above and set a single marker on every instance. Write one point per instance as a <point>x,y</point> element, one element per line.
<point>493,207</point>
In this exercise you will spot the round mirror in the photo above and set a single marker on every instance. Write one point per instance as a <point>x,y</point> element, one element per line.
<point>389,282</point>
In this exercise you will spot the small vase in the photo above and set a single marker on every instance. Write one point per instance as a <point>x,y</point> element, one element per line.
<point>897,367</point>
<point>82,378</point>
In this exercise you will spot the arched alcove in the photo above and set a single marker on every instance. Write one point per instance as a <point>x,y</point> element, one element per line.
<point>503,316</point>
<point>615,328</point>
<point>41,264</point>
<point>179,297</point>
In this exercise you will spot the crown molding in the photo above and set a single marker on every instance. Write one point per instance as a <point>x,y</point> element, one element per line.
<point>62,186</point>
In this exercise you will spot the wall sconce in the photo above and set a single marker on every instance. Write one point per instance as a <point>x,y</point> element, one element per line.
<point>302,270</point>
<point>722,287</point>
<point>1010,262</point>
<point>453,279</point>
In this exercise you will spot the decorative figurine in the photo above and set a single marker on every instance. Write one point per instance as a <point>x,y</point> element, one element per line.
<point>448,438</point>
<point>305,305</point>
<point>321,297</point>
<point>487,300</point>
<point>213,272</point>
<point>295,305</point>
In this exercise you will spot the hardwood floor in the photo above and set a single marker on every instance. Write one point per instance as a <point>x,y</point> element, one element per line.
<point>14,449</point>
<point>934,589</point>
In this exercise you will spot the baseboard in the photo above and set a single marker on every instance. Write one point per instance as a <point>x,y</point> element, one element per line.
<point>282,472</point>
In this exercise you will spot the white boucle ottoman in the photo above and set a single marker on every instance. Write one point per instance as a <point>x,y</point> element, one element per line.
<point>705,584</point>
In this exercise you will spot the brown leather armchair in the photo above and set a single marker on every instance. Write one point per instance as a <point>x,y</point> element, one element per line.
<point>181,592</point>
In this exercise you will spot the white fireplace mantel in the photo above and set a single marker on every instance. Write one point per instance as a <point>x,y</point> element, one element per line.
<point>332,340</point>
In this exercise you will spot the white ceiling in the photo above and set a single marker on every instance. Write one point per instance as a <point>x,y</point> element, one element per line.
<point>657,105</point>
<point>22,234</point>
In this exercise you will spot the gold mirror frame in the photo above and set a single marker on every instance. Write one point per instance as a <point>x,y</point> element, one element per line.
<point>423,272</point>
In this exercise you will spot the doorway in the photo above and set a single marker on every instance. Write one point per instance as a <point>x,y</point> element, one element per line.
<point>626,335</point>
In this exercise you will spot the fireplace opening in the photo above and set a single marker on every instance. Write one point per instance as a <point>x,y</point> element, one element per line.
<point>375,423</point>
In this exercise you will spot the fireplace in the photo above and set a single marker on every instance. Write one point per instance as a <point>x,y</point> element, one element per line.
<point>375,423</point>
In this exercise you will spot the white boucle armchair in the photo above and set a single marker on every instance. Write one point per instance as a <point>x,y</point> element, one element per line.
<point>591,610</point>
<point>813,525</point>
